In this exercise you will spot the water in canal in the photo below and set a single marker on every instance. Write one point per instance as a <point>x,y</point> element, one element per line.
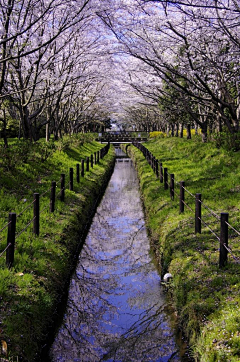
<point>115,308</point>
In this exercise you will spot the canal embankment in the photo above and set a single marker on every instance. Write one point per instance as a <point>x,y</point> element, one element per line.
<point>115,309</point>
<point>205,297</point>
<point>33,288</point>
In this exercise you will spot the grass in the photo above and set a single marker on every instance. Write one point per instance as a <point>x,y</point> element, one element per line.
<point>206,298</point>
<point>31,290</point>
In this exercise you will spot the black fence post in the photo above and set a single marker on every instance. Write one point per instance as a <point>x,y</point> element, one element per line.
<point>223,240</point>
<point>165,178</point>
<point>11,239</point>
<point>98,156</point>
<point>161,172</point>
<point>95,158</point>
<point>198,213</point>
<point>157,169</point>
<point>78,172</point>
<point>36,213</point>
<point>182,196</point>
<point>82,168</point>
<point>62,192</point>
<point>87,164</point>
<point>71,179</point>
<point>92,161</point>
<point>172,186</point>
<point>52,197</point>
<point>154,165</point>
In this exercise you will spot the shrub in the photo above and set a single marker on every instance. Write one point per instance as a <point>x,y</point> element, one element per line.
<point>157,134</point>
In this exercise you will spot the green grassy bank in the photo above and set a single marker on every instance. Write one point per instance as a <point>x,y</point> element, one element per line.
<point>206,298</point>
<point>31,290</point>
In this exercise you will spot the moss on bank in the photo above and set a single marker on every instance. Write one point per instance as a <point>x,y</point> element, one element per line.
<point>206,298</point>
<point>30,292</point>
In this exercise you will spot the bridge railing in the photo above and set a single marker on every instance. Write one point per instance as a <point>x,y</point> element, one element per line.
<point>123,137</point>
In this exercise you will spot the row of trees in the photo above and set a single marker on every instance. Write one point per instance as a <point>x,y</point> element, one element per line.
<point>52,69</point>
<point>68,66</point>
<point>186,59</point>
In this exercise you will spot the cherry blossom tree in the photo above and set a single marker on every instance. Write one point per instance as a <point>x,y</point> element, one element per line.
<point>188,46</point>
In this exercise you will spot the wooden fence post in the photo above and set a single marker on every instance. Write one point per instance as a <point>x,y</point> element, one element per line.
<point>87,164</point>
<point>82,168</point>
<point>11,239</point>
<point>36,214</point>
<point>223,240</point>
<point>165,175</point>
<point>172,186</point>
<point>182,196</point>
<point>71,179</point>
<point>52,197</point>
<point>161,172</point>
<point>198,213</point>
<point>78,173</point>
<point>157,169</point>
<point>62,192</point>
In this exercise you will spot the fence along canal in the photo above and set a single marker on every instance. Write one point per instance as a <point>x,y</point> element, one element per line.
<point>223,238</point>
<point>11,226</point>
<point>115,308</point>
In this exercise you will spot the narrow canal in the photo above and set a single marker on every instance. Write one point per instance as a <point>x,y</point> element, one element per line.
<point>115,308</point>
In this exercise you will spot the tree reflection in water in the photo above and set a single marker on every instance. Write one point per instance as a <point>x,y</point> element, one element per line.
<point>115,305</point>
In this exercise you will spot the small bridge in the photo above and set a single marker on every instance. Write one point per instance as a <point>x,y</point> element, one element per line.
<point>122,137</point>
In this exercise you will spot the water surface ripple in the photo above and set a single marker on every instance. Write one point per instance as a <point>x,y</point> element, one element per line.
<point>115,305</point>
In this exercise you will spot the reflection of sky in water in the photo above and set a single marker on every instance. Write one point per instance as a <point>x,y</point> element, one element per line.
<point>115,306</point>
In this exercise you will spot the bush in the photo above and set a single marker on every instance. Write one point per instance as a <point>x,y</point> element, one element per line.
<point>157,134</point>
<point>226,140</point>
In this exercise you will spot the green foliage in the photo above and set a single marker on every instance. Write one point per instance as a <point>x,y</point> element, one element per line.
<point>156,134</point>
<point>227,140</point>
<point>206,298</point>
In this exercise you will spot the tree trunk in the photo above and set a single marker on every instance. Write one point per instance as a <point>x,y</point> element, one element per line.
<point>177,130</point>
<point>4,120</point>
<point>24,114</point>
<point>181,130</point>
<point>189,136</point>
<point>167,130</point>
<point>196,128</point>
<point>47,133</point>
<point>204,132</point>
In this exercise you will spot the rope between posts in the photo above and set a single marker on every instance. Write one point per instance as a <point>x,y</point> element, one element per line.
<point>46,207</point>
<point>48,190</point>
<point>213,232</point>
<point>187,206</point>
<point>26,208</point>
<point>188,192</point>
<point>8,246</point>
<point>211,211</point>
<point>5,226</point>
<point>175,193</point>
<point>238,233</point>
<point>25,227</point>
<point>230,251</point>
